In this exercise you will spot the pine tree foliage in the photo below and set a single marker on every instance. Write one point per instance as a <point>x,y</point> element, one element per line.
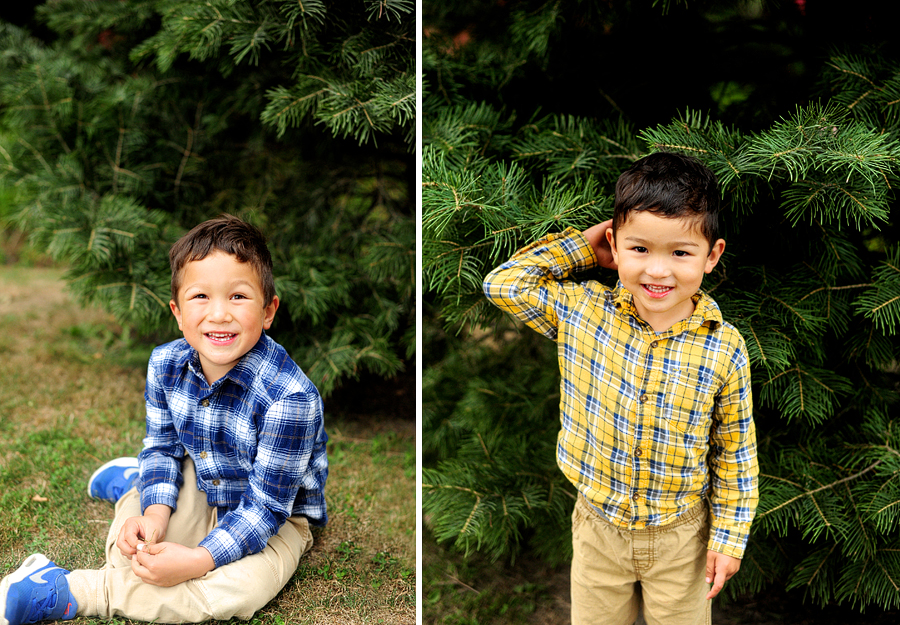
<point>144,117</point>
<point>810,277</point>
<point>491,491</point>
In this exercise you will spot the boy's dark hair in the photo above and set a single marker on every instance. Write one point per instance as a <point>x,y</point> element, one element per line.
<point>228,234</point>
<point>670,185</point>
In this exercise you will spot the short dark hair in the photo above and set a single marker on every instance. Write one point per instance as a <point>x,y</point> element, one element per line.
<point>671,185</point>
<point>228,234</point>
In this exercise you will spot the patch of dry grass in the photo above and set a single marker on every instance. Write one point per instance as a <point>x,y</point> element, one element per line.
<point>71,397</point>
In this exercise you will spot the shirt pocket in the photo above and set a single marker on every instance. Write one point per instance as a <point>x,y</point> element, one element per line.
<point>688,400</point>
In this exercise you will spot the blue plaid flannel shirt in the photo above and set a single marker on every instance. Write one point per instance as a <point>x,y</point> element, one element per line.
<point>256,437</point>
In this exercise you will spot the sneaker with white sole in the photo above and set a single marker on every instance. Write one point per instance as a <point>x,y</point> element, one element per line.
<point>113,479</point>
<point>37,591</point>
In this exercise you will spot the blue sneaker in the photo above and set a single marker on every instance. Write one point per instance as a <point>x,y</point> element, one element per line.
<point>113,479</point>
<point>37,591</point>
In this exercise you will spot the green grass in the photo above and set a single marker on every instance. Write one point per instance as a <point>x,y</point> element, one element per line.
<point>71,397</point>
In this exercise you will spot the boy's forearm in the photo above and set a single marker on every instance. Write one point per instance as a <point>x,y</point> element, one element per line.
<point>159,511</point>
<point>532,285</point>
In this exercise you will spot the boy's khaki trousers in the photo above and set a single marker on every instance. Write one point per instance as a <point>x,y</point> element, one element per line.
<point>668,561</point>
<point>238,589</point>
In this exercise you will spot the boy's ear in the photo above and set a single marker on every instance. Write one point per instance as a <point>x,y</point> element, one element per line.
<point>269,311</point>
<point>715,253</point>
<point>611,239</point>
<point>173,306</point>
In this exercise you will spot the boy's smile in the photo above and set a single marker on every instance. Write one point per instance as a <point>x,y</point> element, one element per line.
<point>661,261</point>
<point>220,311</point>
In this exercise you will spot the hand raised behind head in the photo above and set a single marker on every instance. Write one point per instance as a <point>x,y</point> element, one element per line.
<point>597,237</point>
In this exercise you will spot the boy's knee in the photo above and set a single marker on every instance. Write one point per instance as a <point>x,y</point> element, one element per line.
<point>237,593</point>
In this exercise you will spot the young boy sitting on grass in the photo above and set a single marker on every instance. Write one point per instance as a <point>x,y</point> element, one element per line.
<point>657,431</point>
<point>233,466</point>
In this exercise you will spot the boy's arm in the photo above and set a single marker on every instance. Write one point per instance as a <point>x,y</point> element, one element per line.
<point>596,236</point>
<point>533,285</point>
<point>733,466</point>
<point>160,460</point>
<point>288,473</point>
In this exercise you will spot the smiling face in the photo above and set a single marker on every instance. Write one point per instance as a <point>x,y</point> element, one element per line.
<point>661,262</point>
<point>221,311</point>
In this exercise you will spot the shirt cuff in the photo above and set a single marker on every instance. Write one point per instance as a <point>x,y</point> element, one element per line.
<point>160,493</point>
<point>726,542</point>
<point>222,546</point>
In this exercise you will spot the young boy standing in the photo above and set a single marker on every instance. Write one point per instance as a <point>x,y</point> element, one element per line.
<point>233,466</point>
<point>657,431</point>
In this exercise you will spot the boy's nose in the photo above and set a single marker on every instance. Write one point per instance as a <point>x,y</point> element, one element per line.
<point>658,268</point>
<point>219,312</point>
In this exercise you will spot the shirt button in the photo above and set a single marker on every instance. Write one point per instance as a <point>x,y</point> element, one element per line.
<point>203,455</point>
<point>654,344</point>
<point>635,496</point>
<point>215,482</point>
<point>643,398</point>
<point>638,451</point>
<point>205,403</point>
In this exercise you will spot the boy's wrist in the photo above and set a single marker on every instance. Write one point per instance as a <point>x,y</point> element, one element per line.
<point>204,561</point>
<point>597,238</point>
<point>160,511</point>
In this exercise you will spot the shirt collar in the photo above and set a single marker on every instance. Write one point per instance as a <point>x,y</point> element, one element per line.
<point>705,309</point>
<point>243,372</point>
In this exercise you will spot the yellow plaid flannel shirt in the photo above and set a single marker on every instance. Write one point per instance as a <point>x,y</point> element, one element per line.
<point>650,423</point>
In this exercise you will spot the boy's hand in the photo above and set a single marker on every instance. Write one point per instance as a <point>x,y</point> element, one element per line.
<point>719,569</point>
<point>150,528</point>
<point>168,564</point>
<point>596,236</point>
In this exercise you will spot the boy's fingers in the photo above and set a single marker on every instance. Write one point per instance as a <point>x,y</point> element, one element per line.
<point>125,545</point>
<point>139,569</point>
<point>713,577</point>
<point>710,566</point>
<point>717,586</point>
<point>149,549</point>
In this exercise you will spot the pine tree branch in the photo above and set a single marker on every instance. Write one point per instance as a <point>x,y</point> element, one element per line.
<point>855,508</point>
<point>188,149</point>
<point>888,576</point>
<point>758,344</point>
<point>36,153</point>
<point>819,510</point>
<point>852,73</point>
<point>49,109</point>
<point>834,288</point>
<point>821,565</point>
<point>817,490</point>
<point>134,286</point>
<point>830,185</point>
<point>478,497</point>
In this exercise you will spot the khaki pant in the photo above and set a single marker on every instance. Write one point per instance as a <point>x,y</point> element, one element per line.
<point>669,562</point>
<point>237,589</point>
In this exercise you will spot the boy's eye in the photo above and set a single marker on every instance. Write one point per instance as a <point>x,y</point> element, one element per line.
<point>199,296</point>
<point>680,253</point>
<point>238,296</point>
<point>639,249</point>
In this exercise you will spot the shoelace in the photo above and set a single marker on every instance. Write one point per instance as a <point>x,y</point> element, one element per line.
<point>41,606</point>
